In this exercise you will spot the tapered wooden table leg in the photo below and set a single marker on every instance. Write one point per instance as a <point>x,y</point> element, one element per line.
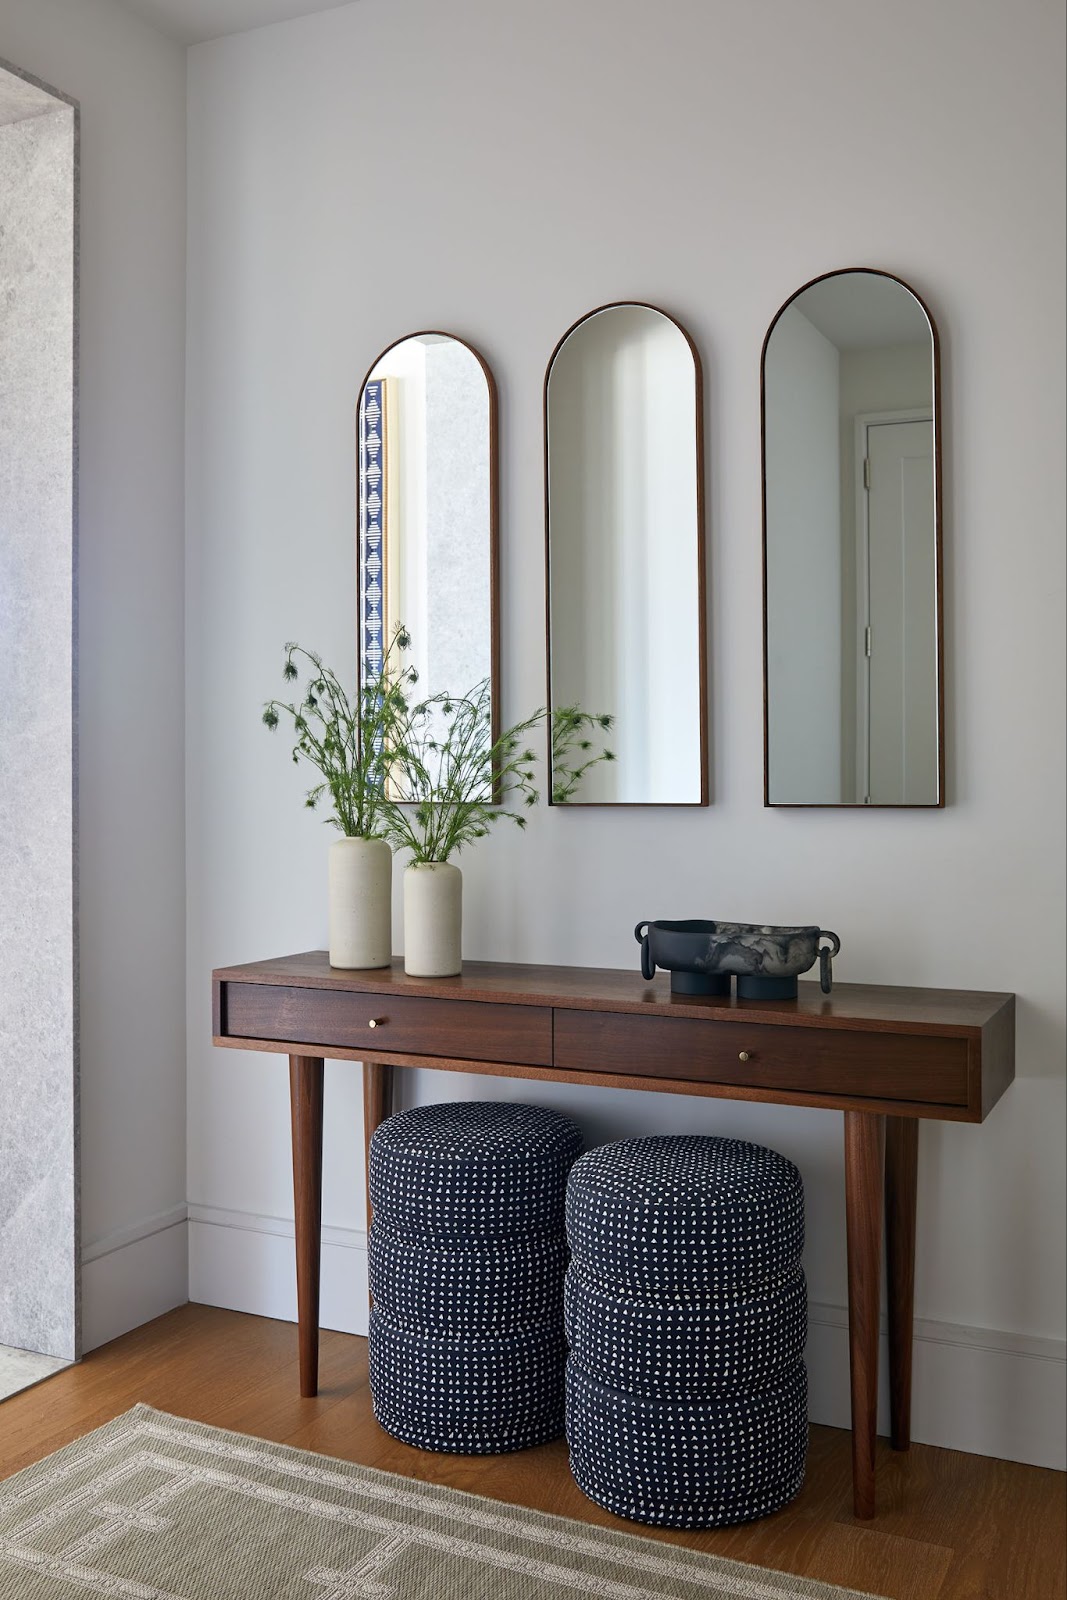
<point>864,1181</point>
<point>305,1095</point>
<point>901,1177</point>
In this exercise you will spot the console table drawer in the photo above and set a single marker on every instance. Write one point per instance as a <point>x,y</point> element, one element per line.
<point>886,1066</point>
<point>384,1023</point>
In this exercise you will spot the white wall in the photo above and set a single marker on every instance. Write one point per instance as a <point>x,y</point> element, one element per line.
<point>803,475</point>
<point>130,83</point>
<point>513,168</point>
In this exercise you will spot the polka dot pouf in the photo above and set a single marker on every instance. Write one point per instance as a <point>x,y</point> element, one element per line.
<point>468,1287</point>
<point>681,1216</point>
<point>683,1348</point>
<point>686,1313</point>
<point>467,1254</point>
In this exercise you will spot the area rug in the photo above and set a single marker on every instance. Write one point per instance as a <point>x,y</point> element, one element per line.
<point>151,1507</point>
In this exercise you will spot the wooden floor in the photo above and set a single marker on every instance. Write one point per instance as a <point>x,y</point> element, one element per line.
<point>949,1526</point>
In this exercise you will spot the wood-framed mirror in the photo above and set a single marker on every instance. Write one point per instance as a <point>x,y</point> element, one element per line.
<point>624,552</point>
<point>428,516</point>
<point>852,565</point>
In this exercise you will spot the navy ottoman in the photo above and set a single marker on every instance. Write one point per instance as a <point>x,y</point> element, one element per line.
<point>467,1254</point>
<point>686,1313</point>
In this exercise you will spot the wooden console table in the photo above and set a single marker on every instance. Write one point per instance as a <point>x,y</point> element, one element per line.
<point>886,1057</point>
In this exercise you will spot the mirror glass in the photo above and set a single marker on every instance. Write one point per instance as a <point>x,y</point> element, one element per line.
<point>427,512</point>
<point>624,498</point>
<point>851,527</point>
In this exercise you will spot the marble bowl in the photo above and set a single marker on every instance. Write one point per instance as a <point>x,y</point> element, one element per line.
<point>701,957</point>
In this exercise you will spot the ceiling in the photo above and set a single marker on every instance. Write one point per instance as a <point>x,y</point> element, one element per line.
<point>193,21</point>
<point>863,310</point>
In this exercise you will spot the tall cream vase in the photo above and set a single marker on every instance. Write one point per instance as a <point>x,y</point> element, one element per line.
<point>433,919</point>
<point>361,903</point>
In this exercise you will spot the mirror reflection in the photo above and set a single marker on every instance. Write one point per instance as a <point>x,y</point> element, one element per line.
<point>851,547</point>
<point>623,461</point>
<point>427,511</point>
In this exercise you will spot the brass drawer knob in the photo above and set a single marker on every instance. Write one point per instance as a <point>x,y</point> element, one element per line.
<point>744,1055</point>
<point>375,1022</point>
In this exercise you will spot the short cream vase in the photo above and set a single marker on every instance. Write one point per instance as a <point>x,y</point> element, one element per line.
<point>361,903</point>
<point>433,919</point>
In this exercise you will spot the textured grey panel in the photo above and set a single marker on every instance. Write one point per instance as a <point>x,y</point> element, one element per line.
<point>458,600</point>
<point>19,1369</point>
<point>20,98</point>
<point>38,1300</point>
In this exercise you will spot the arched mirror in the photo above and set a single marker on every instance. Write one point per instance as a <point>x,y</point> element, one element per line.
<point>625,559</point>
<point>428,512</point>
<point>852,547</point>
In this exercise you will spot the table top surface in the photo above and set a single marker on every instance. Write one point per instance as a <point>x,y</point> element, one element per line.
<point>878,1007</point>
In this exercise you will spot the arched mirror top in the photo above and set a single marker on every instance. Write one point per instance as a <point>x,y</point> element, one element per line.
<point>426,337</point>
<point>428,512</point>
<point>644,313</point>
<point>625,561</point>
<point>862,307</point>
<point>850,395</point>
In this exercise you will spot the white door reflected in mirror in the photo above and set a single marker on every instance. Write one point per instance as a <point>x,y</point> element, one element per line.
<point>625,561</point>
<point>851,543</point>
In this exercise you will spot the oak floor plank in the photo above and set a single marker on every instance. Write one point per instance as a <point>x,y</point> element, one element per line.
<point>949,1526</point>
<point>1006,1521</point>
<point>863,1557</point>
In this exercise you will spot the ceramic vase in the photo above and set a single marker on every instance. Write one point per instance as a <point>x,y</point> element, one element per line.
<point>433,919</point>
<point>361,903</point>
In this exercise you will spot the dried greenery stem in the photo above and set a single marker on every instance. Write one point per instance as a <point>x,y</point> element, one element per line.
<point>352,743</point>
<point>449,777</point>
<point>575,737</point>
<point>428,777</point>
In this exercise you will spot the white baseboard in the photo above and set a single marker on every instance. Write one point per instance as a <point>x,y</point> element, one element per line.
<point>974,1389</point>
<point>134,1275</point>
<point>246,1263</point>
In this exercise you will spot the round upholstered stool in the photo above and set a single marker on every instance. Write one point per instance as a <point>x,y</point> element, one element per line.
<point>688,1463</point>
<point>685,1215</point>
<point>468,1286</point>
<point>473,1169</point>
<point>686,1311</point>
<point>467,1254</point>
<point>468,1395</point>
<point>687,1348</point>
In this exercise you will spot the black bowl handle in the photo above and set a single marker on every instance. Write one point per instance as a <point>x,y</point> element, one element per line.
<point>826,956</point>
<point>648,966</point>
